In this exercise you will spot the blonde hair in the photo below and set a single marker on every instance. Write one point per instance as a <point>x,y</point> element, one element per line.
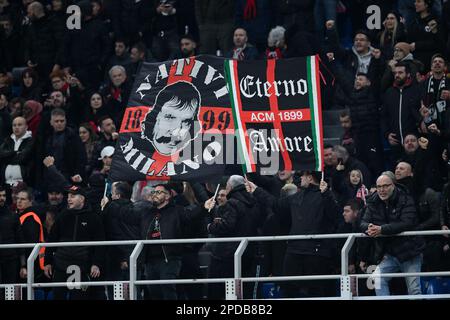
<point>394,31</point>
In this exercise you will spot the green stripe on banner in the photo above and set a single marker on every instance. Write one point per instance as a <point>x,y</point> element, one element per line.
<point>313,111</point>
<point>237,124</point>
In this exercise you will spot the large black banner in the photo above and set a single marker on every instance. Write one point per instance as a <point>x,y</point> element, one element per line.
<point>177,123</point>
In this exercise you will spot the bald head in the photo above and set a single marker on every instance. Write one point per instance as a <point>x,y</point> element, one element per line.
<point>19,127</point>
<point>35,10</point>
<point>385,187</point>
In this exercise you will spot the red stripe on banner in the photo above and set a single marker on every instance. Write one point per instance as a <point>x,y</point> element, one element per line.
<point>292,115</point>
<point>133,118</point>
<point>319,107</point>
<point>188,64</point>
<point>273,100</point>
<point>244,125</point>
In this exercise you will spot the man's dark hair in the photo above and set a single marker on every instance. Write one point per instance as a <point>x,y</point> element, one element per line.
<point>362,74</point>
<point>29,193</point>
<point>181,95</point>
<point>343,114</point>
<point>354,204</point>
<point>58,112</point>
<point>103,118</point>
<point>327,146</point>
<point>405,65</point>
<point>3,188</point>
<point>163,185</point>
<point>122,40</point>
<point>188,36</point>
<point>364,32</point>
<point>140,46</point>
<point>123,189</point>
<point>178,187</point>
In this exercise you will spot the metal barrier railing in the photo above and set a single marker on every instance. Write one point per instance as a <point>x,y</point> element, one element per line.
<point>234,284</point>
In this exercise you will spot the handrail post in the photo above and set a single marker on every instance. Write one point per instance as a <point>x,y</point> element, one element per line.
<point>30,271</point>
<point>133,269</point>
<point>346,292</point>
<point>238,267</point>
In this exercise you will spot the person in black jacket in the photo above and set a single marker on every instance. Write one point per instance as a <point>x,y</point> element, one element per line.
<point>76,223</point>
<point>388,212</point>
<point>43,45</point>
<point>86,49</point>
<point>238,217</point>
<point>400,109</point>
<point>117,256</point>
<point>16,153</point>
<point>313,210</point>
<point>11,260</point>
<point>360,97</point>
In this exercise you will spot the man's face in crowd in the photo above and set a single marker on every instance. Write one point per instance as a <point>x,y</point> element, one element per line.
<point>114,194</point>
<point>361,82</point>
<point>2,198</point>
<point>285,175</point>
<point>346,122</point>
<point>57,83</point>
<point>349,215</point>
<point>3,79</point>
<point>160,195</point>
<point>19,127</point>
<point>7,26</point>
<point>240,38</point>
<point>75,201</point>
<point>410,144</point>
<point>55,198</point>
<point>361,43</point>
<point>329,157</point>
<point>187,47</point>
<point>172,128</point>
<point>58,123</point>
<point>57,5</point>
<point>438,65</point>
<point>222,197</point>
<point>400,75</point>
<point>403,170</point>
<point>23,201</point>
<point>58,99</point>
<point>306,180</point>
<point>107,161</point>
<point>118,77</point>
<point>120,49</point>
<point>108,126</point>
<point>385,187</point>
<point>136,55</point>
<point>399,54</point>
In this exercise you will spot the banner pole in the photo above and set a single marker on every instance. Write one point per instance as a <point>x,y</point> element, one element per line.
<point>215,195</point>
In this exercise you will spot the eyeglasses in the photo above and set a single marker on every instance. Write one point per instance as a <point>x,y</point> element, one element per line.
<point>158,192</point>
<point>384,186</point>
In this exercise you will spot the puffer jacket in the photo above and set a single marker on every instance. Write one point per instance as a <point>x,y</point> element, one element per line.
<point>396,216</point>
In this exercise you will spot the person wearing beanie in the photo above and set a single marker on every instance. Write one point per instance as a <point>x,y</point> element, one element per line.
<point>402,53</point>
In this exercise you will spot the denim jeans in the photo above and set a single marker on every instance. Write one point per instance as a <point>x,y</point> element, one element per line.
<point>159,269</point>
<point>391,264</point>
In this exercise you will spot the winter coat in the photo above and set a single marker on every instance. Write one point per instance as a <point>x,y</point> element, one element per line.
<point>10,232</point>
<point>73,225</point>
<point>396,216</point>
<point>16,156</point>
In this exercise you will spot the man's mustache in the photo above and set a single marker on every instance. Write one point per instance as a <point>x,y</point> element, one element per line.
<point>166,140</point>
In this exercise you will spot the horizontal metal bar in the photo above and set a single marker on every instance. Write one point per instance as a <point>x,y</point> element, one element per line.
<point>182,281</point>
<point>292,278</point>
<point>217,240</point>
<point>405,297</point>
<point>23,285</point>
<point>402,275</point>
